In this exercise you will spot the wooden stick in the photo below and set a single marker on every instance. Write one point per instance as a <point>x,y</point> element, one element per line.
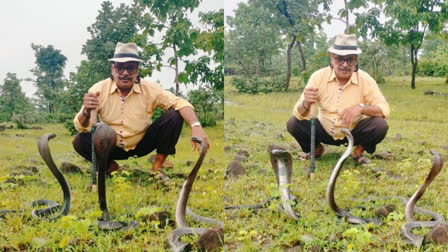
<point>93,115</point>
<point>313,113</point>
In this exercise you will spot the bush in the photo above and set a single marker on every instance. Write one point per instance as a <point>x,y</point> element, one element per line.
<point>432,68</point>
<point>255,85</point>
<point>207,105</point>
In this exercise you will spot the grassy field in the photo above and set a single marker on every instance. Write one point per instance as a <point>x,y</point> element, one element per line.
<point>127,195</point>
<point>253,122</point>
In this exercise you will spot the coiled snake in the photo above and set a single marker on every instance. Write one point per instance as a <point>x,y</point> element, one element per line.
<point>281,162</point>
<point>45,153</point>
<point>437,164</point>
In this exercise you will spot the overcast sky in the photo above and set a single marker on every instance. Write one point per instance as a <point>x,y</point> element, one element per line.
<point>61,23</point>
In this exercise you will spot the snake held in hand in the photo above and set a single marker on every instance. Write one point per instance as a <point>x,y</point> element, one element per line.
<point>52,206</point>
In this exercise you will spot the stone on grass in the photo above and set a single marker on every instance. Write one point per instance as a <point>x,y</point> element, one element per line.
<point>294,145</point>
<point>385,155</point>
<point>211,240</point>
<point>235,169</point>
<point>397,137</point>
<point>384,211</point>
<point>163,217</point>
<point>243,152</point>
<point>438,234</point>
<point>70,168</point>
<point>240,158</point>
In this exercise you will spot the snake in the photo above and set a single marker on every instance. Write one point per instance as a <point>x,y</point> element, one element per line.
<point>416,240</point>
<point>281,162</point>
<point>52,206</point>
<point>182,210</point>
<point>437,164</point>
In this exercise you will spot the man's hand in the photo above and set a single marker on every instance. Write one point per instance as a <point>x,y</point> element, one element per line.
<point>310,95</point>
<point>90,101</point>
<point>350,115</point>
<point>199,132</point>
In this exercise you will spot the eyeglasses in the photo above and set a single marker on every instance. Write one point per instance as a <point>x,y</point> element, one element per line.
<point>351,61</point>
<point>132,68</point>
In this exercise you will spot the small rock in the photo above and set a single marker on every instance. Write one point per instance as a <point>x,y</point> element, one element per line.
<point>235,169</point>
<point>294,145</point>
<point>70,168</point>
<point>167,164</point>
<point>211,240</point>
<point>152,158</point>
<point>384,211</point>
<point>385,155</point>
<point>335,237</point>
<point>397,137</point>
<point>138,172</point>
<point>189,162</point>
<point>240,158</point>
<point>163,217</point>
<point>297,248</point>
<point>279,135</point>
<point>438,234</point>
<point>227,148</point>
<point>243,152</point>
<point>429,92</point>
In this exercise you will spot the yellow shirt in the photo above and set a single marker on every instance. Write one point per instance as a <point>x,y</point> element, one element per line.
<point>132,115</point>
<point>333,99</point>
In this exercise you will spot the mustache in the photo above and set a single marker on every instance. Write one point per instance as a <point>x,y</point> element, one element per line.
<point>125,78</point>
<point>345,69</point>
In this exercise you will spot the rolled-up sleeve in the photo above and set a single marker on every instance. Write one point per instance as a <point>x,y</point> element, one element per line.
<point>374,97</point>
<point>167,100</point>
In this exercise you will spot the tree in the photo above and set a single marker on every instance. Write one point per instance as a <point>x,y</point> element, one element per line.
<point>406,24</point>
<point>170,19</point>
<point>253,39</point>
<point>12,98</point>
<point>112,25</point>
<point>297,20</point>
<point>49,71</point>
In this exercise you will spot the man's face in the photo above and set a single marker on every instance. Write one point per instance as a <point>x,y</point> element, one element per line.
<point>343,66</point>
<point>125,74</point>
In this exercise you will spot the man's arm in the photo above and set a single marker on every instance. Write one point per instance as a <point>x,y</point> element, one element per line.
<point>190,117</point>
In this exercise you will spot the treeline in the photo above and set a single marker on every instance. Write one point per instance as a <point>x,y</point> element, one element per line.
<point>283,38</point>
<point>58,98</point>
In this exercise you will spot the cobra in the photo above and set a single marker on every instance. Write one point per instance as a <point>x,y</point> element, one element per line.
<point>52,206</point>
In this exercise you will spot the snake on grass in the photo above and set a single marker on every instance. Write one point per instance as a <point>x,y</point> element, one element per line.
<point>281,162</point>
<point>182,210</point>
<point>437,164</point>
<point>52,206</point>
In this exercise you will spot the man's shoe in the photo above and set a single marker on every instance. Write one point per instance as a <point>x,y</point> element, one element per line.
<point>162,178</point>
<point>318,152</point>
<point>359,157</point>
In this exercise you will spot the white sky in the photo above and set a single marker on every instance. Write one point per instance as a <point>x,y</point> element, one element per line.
<point>63,24</point>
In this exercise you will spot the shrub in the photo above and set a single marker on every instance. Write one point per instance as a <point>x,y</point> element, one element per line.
<point>255,85</point>
<point>207,104</point>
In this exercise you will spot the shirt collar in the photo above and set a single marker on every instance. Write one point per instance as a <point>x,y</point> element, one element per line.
<point>353,78</point>
<point>136,88</point>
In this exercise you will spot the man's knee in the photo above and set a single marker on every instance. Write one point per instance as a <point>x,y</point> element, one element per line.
<point>79,141</point>
<point>291,125</point>
<point>381,126</point>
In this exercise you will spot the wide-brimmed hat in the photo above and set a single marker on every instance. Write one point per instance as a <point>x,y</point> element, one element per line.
<point>345,44</point>
<point>125,52</point>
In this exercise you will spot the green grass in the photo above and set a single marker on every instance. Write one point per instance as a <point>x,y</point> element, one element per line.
<point>253,122</point>
<point>126,194</point>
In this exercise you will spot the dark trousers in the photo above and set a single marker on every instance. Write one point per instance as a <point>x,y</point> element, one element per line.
<point>162,135</point>
<point>368,133</point>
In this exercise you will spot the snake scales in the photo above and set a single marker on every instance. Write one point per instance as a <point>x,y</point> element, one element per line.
<point>281,162</point>
<point>52,206</point>
<point>105,138</point>
<point>437,164</point>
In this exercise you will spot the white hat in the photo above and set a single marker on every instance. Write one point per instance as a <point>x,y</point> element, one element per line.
<point>125,52</point>
<point>345,44</point>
